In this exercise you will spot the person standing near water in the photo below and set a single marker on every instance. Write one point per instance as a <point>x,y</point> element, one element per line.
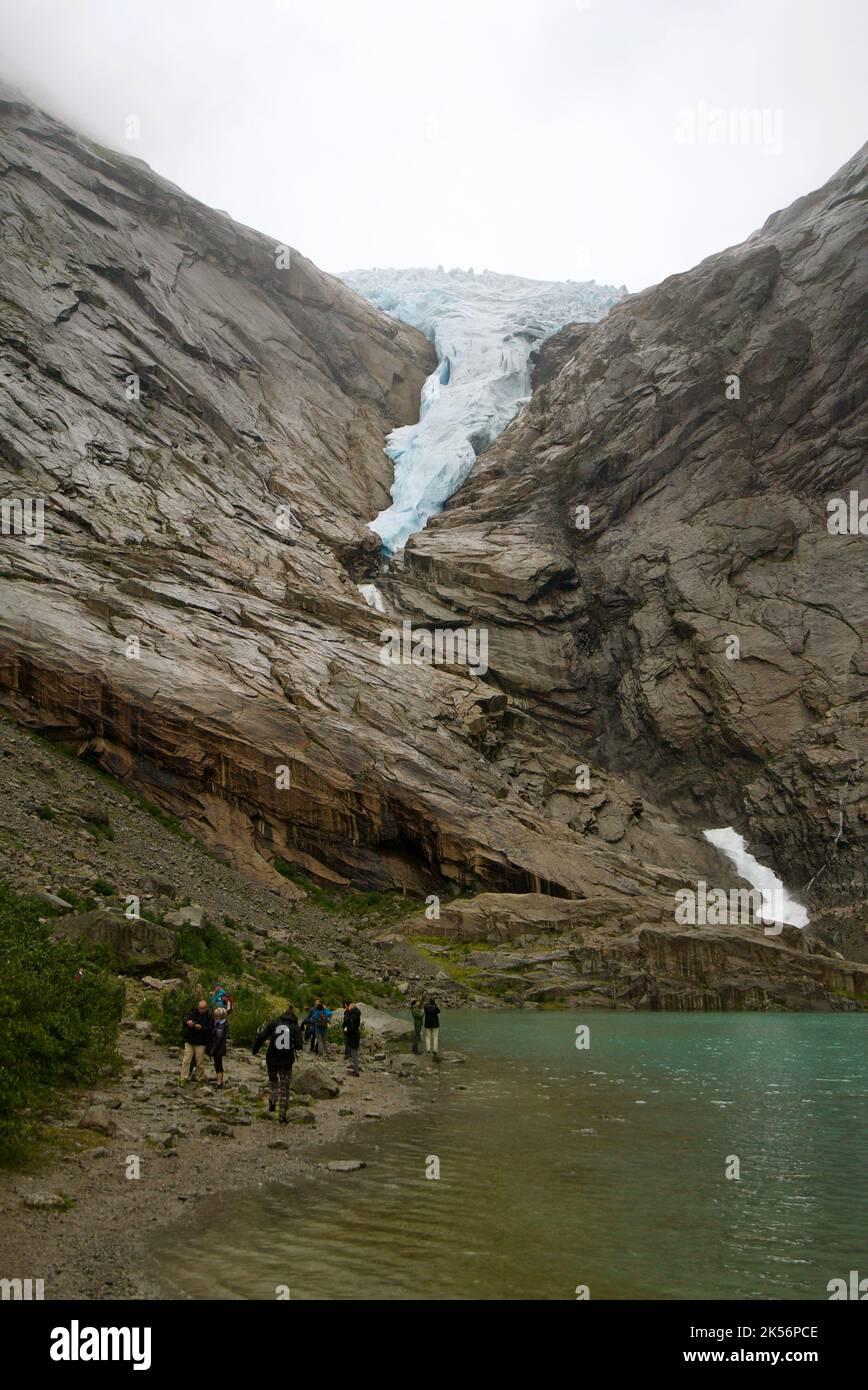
<point>319,1017</point>
<point>353,1034</point>
<point>417,1015</point>
<point>432,1027</point>
<point>284,1039</point>
<point>217,1041</point>
<point>197,1026</point>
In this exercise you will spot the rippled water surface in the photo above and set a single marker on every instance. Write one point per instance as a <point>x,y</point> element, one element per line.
<point>559,1167</point>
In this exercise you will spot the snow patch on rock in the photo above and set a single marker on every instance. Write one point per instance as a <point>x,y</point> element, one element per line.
<point>778,906</point>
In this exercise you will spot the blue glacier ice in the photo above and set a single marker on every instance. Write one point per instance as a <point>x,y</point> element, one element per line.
<point>484,328</point>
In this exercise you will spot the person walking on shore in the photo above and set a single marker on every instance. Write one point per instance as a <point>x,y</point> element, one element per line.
<point>347,1007</point>
<point>217,1041</point>
<point>197,1027</point>
<point>308,1029</point>
<point>320,1020</point>
<point>432,1027</point>
<point>284,1039</point>
<point>353,1034</point>
<point>417,1015</point>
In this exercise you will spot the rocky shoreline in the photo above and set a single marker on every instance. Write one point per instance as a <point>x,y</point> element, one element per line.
<point>80,1223</point>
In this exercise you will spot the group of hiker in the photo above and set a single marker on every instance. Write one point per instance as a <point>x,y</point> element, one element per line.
<point>206,1033</point>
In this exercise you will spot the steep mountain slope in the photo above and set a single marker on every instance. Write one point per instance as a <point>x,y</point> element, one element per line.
<point>705,424</point>
<point>202,415</point>
<point>176,622</point>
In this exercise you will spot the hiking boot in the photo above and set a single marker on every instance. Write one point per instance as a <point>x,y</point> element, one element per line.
<point>284,1120</point>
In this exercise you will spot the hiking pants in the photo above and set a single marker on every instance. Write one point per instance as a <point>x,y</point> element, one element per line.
<point>417,1035</point>
<point>193,1052</point>
<point>353,1054</point>
<point>432,1038</point>
<point>278,1088</point>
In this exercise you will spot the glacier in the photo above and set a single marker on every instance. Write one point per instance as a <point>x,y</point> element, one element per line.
<point>485,327</point>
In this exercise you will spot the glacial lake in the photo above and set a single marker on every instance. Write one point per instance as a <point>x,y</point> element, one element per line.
<point>603,1167</point>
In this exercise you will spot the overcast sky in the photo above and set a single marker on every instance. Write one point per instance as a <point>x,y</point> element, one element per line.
<point>551,138</point>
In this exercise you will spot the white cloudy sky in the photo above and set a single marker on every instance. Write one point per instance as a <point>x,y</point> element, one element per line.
<point>534,136</point>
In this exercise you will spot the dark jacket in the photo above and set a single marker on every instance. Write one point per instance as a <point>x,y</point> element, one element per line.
<point>197,1036</point>
<point>284,1039</point>
<point>352,1027</point>
<point>432,1016</point>
<point>217,1038</point>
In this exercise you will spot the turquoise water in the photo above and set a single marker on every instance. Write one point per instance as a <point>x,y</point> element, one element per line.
<point>603,1167</point>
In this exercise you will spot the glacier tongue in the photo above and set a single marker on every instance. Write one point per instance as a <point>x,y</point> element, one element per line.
<point>484,328</point>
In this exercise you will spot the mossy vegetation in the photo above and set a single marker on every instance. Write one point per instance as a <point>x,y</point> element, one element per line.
<point>59,1012</point>
<point>388,907</point>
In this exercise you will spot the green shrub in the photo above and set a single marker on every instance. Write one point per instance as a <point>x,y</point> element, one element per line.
<point>211,950</point>
<point>56,1028</point>
<point>293,975</point>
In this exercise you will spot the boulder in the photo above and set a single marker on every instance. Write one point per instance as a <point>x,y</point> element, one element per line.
<point>44,1201</point>
<point>137,944</point>
<point>52,900</point>
<point>309,1079</point>
<point>383,1026</point>
<point>99,1120</point>
<point>190,916</point>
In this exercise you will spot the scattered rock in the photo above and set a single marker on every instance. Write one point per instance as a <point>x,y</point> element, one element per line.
<point>185,916</point>
<point>44,1201</point>
<point>98,1119</point>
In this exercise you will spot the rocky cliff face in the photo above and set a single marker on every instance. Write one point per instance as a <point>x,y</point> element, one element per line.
<point>190,619</point>
<point>202,412</point>
<point>698,628</point>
